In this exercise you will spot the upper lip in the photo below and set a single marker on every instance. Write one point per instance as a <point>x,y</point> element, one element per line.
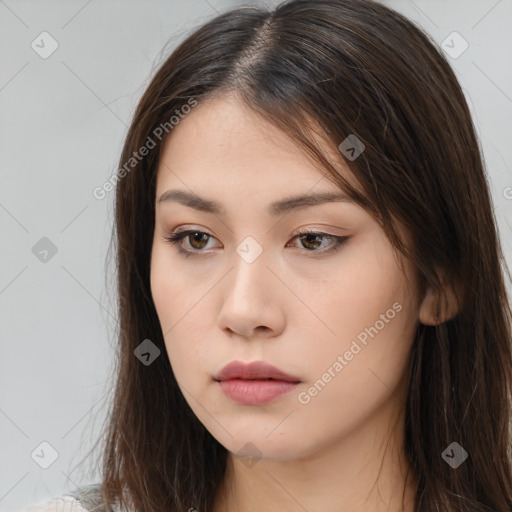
<point>254,370</point>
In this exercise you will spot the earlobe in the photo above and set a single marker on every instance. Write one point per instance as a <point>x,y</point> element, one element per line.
<point>427,307</point>
<point>437,308</point>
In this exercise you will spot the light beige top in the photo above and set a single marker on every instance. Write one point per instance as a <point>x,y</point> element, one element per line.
<point>60,504</point>
<point>82,499</point>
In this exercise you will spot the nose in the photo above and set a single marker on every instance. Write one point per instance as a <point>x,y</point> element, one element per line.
<point>253,300</point>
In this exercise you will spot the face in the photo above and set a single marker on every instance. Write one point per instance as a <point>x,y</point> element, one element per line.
<point>315,290</point>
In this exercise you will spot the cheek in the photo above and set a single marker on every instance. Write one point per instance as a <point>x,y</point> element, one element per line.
<point>357,292</point>
<point>349,380</point>
<point>178,306</point>
<point>174,294</point>
<point>372,347</point>
<point>372,321</point>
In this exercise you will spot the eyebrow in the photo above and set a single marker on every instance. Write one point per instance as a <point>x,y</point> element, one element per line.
<point>277,208</point>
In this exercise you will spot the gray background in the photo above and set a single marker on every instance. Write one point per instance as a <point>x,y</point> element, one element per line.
<point>62,125</point>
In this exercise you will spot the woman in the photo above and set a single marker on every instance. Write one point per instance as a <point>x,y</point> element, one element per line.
<point>311,297</point>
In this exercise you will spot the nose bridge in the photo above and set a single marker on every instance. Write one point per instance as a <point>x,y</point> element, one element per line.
<point>250,302</point>
<point>250,273</point>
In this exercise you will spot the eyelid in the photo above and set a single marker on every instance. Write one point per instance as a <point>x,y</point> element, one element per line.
<point>298,231</point>
<point>185,231</point>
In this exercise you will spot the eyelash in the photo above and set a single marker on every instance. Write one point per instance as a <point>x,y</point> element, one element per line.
<point>338,241</point>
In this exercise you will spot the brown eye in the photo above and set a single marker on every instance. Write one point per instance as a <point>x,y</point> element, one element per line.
<point>196,239</point>
<point>310,240</point>
<point>199,238</point>
<point>311,243</point>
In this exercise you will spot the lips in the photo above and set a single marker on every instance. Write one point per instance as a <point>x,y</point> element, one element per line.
<point>257,383</point>
<point>257,370</point>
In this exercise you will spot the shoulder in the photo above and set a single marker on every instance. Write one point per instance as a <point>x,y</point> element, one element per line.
<point>59,504</point>
<point>82,499</point>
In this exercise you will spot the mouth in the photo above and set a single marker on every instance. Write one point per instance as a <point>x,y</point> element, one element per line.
<point>258,379</point>
<point>255,391</point>
<point>256,370</point>
<point>254,383</point>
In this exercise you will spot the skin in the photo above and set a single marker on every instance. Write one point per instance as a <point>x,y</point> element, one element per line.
<point>293,307</point>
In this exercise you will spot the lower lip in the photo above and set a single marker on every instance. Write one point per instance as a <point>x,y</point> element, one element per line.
<point>255,392</point>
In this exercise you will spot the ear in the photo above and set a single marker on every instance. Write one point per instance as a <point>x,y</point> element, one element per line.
<point>437,308</point>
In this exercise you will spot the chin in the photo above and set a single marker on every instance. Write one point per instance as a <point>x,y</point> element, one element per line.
<point>267,442</point>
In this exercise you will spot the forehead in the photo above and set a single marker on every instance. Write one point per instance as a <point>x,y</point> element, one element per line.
<point>222,141</point>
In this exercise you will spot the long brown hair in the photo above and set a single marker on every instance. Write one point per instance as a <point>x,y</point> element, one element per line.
<point>354,67</point>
